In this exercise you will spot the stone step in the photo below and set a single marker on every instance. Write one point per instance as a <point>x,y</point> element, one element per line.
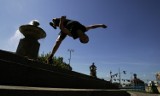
<point>44,91</point>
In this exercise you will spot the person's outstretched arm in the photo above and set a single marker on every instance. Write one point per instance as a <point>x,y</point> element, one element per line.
<point>58,42</point>
<point>96,26</point>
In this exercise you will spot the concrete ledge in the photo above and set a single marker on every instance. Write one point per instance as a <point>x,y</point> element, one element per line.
<point>42,91</point>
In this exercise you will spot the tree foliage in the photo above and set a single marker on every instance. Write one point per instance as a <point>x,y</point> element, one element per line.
<point>57,61</point>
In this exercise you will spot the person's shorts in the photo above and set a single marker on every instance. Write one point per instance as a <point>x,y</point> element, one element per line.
<point>74,26</point>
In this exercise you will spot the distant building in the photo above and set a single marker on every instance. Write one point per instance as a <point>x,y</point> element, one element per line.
<point>137,83</point>
<point>152,87</point>
<point>158,76</point>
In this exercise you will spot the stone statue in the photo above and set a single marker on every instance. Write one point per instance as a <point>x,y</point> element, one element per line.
<point>29,45</point>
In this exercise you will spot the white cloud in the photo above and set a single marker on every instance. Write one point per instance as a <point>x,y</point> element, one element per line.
<point>14,40</point>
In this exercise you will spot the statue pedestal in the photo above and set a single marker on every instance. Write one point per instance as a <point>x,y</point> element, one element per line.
<point>28,47</point>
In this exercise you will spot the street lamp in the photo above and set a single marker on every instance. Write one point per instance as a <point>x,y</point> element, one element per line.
<point>70,51</point>
<point>120,78</point>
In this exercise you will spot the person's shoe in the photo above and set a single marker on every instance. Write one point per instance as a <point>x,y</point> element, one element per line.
<point>104,26</point>
<point>51,23</point>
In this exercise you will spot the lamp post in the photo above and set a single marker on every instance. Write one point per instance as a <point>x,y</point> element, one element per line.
<point>120,78</point>
<point>70,51</point>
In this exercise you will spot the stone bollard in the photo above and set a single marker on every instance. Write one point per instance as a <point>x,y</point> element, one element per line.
<point>29,45</point>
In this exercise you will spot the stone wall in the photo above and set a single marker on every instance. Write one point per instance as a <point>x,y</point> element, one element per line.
<point>17,70</point>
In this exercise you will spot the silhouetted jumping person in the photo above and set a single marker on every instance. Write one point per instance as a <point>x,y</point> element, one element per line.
<point>70,28</point>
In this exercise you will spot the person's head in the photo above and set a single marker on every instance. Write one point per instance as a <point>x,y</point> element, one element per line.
<point>84,38</point>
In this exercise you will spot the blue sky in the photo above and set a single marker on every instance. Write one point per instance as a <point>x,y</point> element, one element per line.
<point>131,42</point>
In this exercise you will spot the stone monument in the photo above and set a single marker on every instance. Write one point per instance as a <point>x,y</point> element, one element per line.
<point>29,45</point>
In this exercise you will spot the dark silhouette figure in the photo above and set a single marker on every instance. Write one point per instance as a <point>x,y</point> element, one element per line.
<point>93,69</point>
